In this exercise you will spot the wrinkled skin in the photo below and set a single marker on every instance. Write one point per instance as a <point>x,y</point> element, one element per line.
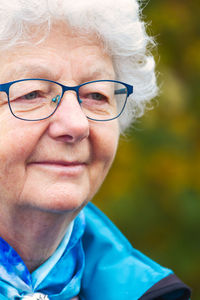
<point>50,169</point>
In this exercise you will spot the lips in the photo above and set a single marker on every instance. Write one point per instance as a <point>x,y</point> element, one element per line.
<point>68,168</point>
<point>59,163</point>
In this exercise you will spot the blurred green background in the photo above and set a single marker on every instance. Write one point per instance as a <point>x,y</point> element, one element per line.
<point>153,190</point>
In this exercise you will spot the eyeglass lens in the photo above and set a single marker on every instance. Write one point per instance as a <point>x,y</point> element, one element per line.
<point>38,99</point>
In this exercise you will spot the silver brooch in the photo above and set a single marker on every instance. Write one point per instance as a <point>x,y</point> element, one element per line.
<point>36,296</point>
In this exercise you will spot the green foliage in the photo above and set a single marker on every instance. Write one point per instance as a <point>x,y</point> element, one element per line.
<point>153,190</point>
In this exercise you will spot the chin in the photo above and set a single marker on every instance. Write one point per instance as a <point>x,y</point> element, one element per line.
<point>58,202</point>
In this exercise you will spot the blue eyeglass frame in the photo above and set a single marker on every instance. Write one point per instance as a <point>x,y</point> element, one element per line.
<point>6,86</point>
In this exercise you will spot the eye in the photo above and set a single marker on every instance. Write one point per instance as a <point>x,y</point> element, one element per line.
<point>31,95</point>
<point>96,96</point>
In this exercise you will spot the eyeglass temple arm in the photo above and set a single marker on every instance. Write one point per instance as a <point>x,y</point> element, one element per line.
<point>121,91</point>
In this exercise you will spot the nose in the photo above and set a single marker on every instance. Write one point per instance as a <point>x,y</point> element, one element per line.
<point>69,123</point>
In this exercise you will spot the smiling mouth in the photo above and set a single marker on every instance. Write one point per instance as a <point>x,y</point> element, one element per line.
<point>74,168</point>
<point>59,163</point>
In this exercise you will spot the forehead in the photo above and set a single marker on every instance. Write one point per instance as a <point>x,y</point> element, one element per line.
<point>63,53</point>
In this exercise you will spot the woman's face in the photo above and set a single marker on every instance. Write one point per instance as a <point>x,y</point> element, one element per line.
<point>57,164</point>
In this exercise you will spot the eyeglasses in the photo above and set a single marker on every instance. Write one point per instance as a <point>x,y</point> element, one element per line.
<point>37,99</point>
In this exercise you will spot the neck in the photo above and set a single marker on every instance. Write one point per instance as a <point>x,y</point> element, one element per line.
<point>35,235</point>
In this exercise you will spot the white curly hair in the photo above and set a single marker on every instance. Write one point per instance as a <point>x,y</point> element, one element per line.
<point>116,22</point>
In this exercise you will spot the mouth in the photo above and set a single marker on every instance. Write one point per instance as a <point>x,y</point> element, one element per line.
<point>69,168</point>
<point>59,163</point>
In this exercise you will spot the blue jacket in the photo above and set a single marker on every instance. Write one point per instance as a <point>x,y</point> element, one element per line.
<point>114,270</point>
<point>97,263</point>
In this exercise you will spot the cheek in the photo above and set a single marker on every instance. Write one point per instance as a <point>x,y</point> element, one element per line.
<point>17,140</point>
<point>104,139</point>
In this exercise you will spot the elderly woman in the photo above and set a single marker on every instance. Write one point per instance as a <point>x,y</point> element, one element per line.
<point>73,76</point>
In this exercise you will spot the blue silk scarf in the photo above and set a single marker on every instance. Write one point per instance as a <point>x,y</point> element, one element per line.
<point>59,277</point>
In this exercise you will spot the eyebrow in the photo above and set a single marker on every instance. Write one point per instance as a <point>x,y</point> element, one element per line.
<point>31,70</point>
<point>97,73</point>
